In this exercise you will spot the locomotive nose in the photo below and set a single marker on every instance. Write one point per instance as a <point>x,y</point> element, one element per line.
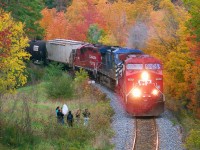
<point>145,76</point>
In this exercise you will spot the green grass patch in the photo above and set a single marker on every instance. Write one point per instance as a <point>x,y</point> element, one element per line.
<point>28,119</point>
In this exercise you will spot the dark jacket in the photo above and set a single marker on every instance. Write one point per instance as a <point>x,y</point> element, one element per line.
<point>60,115</point>
<point>69,117</point>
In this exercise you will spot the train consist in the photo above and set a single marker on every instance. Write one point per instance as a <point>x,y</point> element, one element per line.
<point>135,76</point>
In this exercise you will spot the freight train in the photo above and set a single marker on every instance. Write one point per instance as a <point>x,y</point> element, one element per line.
<point>135,76</point>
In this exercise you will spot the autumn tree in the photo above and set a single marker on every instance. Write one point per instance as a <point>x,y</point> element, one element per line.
<point>192,73</point>
<point>194,22</point>
<point>138,32</point>
<point>118,19</point>
<point>12,53</point>
<point>28,12</point>
<point>48,17</point>
<point>168,41</point>
<point>82,14</point>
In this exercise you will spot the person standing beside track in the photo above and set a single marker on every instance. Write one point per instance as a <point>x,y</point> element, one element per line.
<point>60,116</point>
<point>86,115</point>
<point>70,119</point>
<point>78,116</point>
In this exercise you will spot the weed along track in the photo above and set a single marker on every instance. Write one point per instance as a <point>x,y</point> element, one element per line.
<point>146,134</point>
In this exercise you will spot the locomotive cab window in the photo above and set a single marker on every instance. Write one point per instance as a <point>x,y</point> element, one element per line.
<point>153,66</point>
<point>82,54</point>
<point>134,66</point>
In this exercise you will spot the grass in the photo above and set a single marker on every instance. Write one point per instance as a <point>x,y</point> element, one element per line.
<point>3,147</point>
<point>31,103</point>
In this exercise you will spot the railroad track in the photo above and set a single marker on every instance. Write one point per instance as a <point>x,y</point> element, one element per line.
<point>146,134</point>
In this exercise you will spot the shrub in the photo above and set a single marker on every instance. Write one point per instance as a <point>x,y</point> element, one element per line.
<point>34,73</point>
<point>67,138</point>
<point>101,114</point>
<point>15,136</point>
<point>53,70</point>
<point>60,87</point>
<point>193,140</point>
<point>81,77</point>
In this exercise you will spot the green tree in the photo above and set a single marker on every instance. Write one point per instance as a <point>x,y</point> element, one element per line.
<point>60,87</point>
<point>28,12</point>
<point>194,23</point>
<point>94,34</point>
<point>12,53</point>
<point>53,70</point>
<point>60,5</point>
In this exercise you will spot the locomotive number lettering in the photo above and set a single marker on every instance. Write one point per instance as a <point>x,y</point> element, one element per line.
<point>92,57</point>
<point>35,48</point>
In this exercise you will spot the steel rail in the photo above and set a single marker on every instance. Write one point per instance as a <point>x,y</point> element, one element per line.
<point>136,134</point>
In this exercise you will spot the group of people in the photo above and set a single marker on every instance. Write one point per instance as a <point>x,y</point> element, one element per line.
<point>70,117</point>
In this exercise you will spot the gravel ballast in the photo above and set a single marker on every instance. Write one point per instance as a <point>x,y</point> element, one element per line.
<point>123,126</point>
<point>169,134</point>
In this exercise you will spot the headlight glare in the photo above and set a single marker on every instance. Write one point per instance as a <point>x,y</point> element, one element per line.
<point>136,92</point>
<point>155,92</point>
<point>145,76</point>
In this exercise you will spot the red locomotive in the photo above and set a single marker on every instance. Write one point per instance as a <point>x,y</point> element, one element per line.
<point>141,86</point>
<point>135,76</point>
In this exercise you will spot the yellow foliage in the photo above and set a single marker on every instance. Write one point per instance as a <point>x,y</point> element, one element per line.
<point>12,54</point>
<point>108,39</point>
<point>168,42</point>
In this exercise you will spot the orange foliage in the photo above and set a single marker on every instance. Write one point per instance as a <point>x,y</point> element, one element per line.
<point>48,16</point>
<point>194,47</point>
<point>81,15</point>
<point>115,19</point>
<point>55,24</point>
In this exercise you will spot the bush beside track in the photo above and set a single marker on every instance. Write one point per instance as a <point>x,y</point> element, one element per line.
<point>190,125</point>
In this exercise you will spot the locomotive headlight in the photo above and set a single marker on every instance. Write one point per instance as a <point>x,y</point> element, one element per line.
<point>155,92</point>
<point>145,76</point>
<point>136,92</point>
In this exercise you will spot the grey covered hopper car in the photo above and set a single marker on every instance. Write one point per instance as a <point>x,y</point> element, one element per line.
<point>60,50</point>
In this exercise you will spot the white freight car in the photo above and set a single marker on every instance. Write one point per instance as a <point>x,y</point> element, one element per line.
<point>60,50</point>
